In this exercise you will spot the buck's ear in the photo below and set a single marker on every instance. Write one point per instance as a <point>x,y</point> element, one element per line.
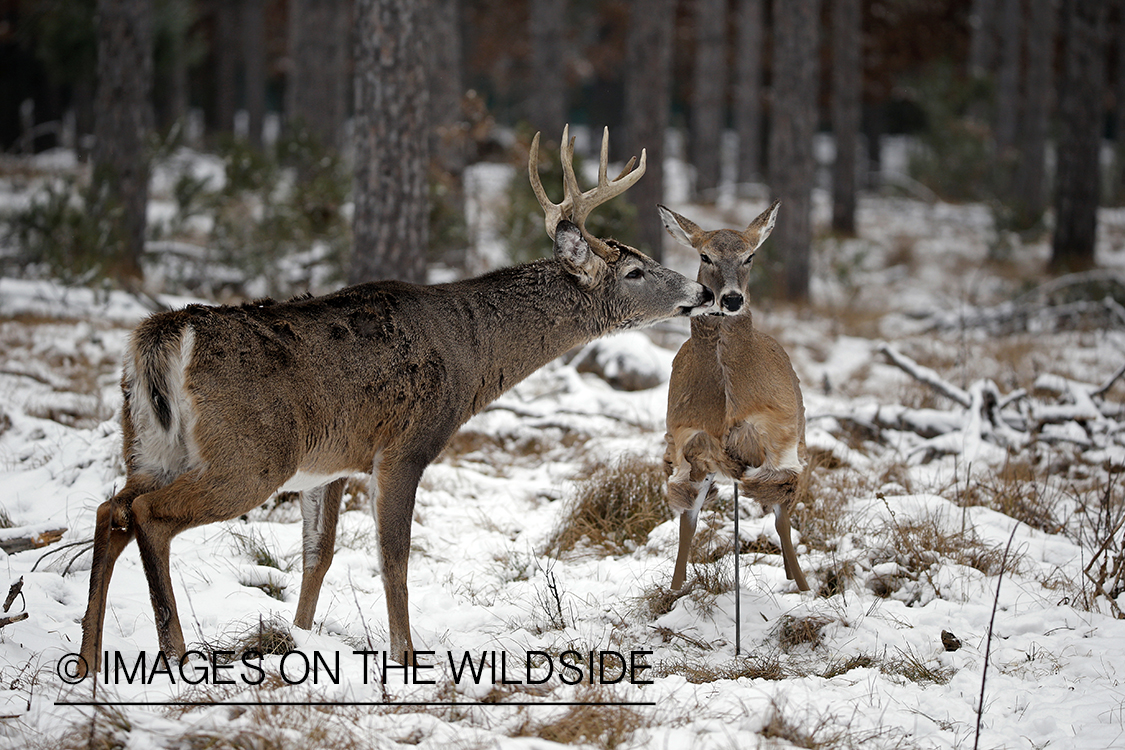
<point>573,251</point>
<point>761,227</point>
<point>683,230</point>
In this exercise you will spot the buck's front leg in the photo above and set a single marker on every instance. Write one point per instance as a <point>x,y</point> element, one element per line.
<point>394,486</point>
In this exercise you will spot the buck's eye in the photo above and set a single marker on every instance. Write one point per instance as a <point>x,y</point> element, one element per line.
<point>636,273</point>
<point>748,261</point>
<point>703,257</point>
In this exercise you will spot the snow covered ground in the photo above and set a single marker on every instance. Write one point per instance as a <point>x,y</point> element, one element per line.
<point>903,536</point>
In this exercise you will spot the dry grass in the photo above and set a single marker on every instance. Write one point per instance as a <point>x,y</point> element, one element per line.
<point>757,666</point>
<point>796,632</point>
<point>615,509</point>
<point>605,727</point>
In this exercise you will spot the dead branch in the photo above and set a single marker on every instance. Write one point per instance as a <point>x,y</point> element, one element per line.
<point>925,375</point>
<point>12,545</point>
<point>13,591</point>
<point>14,618</point>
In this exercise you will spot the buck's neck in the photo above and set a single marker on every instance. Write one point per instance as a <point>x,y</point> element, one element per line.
<point>520,318</point>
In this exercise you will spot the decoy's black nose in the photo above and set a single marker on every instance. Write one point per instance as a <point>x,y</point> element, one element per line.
<point>731,302</point>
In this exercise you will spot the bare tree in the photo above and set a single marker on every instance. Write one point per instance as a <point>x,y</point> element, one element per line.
<point>228,18</point>
<point>1080,119</point>
<point>1008,76</point>
<point>254,66</point>
<point>748,88</point>
<point>122,122</point>
<point>392,139</point>
<point>847,88</point>
<point>546,102</point>
<point>446,85</point>
<point>791,164</point>
<point>648,80</point>
<point>709,87</point>
<point>982,42</point>
<point>319,35</point>
<point>1029,195</point>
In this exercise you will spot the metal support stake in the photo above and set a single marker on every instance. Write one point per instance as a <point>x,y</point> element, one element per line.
<point>737,587</point>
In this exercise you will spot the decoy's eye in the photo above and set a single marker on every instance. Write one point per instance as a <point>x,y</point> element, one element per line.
<point>703,257</point>
<point>749,260</point>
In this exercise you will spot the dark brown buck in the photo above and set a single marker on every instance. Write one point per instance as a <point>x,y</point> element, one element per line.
<point>225,406</point>
<point>734,402</point>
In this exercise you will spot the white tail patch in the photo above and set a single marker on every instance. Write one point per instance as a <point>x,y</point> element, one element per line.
<point>163,452</point>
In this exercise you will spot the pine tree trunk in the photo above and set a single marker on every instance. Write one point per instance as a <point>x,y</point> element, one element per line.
<point>982,42</point>
<point>446,87</point>
<point>792,168</point>
<point>709,85</point>
<point>546,101</point>
<point>748,89</point>
<point>319,35</point>
<point>392,138</point>
<point>122,122</point>
<point>648,81</point>
<point>847,88</point>
<point>254,66</point>
<point>1029,196</point>
<point>1008,78</point>
<point>1080,122</point>
<point>227,18</point>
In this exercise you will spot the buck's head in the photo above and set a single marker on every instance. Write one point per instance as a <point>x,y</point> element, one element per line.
<point>725,255</point>
<point>634,290</point>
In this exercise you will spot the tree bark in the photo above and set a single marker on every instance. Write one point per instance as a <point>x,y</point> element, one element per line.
<point>319,35</point>
<point>748,89</point>
<point>792,168</point>
<point>227,18</point>
<point>847,88</point>
<point>122,122</point>
<point>982,41</point>
<point>446,86</point>
<point>1080,120</point>
<point>254,66</point>
<point>1008,77</point>
<point>709,86</point>
<point>648,76</point>
<point>1029,195</point>
<point>547,99</point>
<point>392,141</point>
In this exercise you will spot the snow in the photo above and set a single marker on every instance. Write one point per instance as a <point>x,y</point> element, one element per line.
<point>481,578</point>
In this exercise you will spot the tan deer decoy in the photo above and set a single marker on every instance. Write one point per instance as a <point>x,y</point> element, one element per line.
<point>226,405</point>
<point>734,402</point>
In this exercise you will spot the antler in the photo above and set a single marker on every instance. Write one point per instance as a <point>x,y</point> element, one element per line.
<point>575,204</point>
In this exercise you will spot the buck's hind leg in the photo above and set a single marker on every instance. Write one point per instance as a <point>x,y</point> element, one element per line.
<point>320,510</point>
<point>113,530</point>
<point>196,498</point>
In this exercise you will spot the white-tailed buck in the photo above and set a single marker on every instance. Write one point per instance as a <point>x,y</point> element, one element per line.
<point>226,405</point>
<point>734,402</point>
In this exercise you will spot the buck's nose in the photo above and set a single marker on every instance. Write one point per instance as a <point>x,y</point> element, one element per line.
<point>731,302</point>
<point>708,296</point>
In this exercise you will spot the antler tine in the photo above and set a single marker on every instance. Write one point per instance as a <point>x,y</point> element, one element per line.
<point>553,213</point>
<point>571,192</point>
<point>605,189</point>
<point>577,205</point>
